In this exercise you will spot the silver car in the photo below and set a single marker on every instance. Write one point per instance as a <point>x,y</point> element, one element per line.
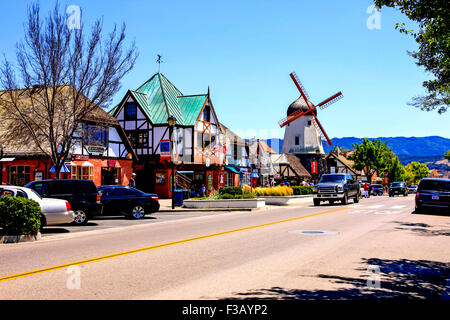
<point>55,211</point>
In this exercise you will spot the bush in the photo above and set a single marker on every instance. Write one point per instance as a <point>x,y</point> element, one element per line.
<point>227,196</point>
<point>301,190</point>
<point>230,190</point>
<point>274,191</point>
<point>19,216</point>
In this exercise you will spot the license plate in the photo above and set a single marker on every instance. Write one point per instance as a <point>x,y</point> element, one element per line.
<point>435,197</point>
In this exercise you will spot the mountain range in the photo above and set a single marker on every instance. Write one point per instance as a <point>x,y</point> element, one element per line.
<point>408,149</point>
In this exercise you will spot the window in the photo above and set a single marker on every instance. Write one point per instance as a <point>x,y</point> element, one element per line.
<point>207,114</point>
<point>83,173</point>
<point>138,138</point>
<point>297,140</point>
<point>309,122</point>
<point>94,135</point>
<point>130,112</point>
<point>19,175</point>
<point>230,180</point>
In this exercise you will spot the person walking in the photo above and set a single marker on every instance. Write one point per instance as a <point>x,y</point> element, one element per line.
<point>366,190</point>
<point>132,181</point>
<point>203,190</point>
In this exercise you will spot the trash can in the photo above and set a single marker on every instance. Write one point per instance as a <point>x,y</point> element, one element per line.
<point>178,198</point>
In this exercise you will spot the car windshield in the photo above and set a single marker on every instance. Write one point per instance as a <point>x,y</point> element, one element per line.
<point>332,178</point>
<point>397,184</point>
<point>377,186</point>
<point>435,185</point>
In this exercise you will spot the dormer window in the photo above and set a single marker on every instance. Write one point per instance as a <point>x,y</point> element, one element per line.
<point>130,111</point>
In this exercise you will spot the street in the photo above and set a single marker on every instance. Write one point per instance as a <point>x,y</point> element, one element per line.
<point>376,248</point>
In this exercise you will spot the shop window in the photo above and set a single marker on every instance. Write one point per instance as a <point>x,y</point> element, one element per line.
<point>83,173</point>
<point>138,138</point>
<point>230,180</point>
<point>210,182</point>
<point>19,175</point>
<point>110,176</point>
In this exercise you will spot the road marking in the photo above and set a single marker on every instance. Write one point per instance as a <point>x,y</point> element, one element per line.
<point>398,207</point>
<point>119,254</point>
<point>376,206</point>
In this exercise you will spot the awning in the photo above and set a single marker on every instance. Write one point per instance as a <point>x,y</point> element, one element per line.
<point>87,164</point>
<point>64,169</point>
<point>234,170</point>
<point>7,159</point>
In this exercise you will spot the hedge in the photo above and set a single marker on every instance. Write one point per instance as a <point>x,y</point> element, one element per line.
<point>230,190</point>
<point>300,190</point>
<point>19,216</point>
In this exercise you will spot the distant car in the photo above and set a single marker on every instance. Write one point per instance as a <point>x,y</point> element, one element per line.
<point>412,189</point>
<point>398,188</point>
<point>127,201</point>
<point>81,194</point>
<point>377,189</point>
<point>54,211</point>
<point>433,193</point>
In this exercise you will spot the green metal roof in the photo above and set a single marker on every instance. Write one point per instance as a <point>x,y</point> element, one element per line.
<point>159,98</point>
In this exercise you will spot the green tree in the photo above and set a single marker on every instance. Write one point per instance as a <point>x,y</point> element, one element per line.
<point>433,38</point>
<point>370,156</point>
<point>447,155</point>
<point>415,171</point>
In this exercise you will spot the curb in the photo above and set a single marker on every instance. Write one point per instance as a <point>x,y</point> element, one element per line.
<point>206,210</point>
<point>20,238</point>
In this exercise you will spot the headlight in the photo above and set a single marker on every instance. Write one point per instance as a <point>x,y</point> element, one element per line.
<point>315,189</point>
<point>340,188</point>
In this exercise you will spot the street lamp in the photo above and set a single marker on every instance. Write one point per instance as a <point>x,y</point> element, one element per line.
<point>172,121</point>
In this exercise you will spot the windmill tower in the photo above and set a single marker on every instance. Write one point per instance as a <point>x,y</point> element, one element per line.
<point>304,133</point>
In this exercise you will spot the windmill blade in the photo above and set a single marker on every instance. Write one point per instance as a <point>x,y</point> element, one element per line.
<point>294,116</point>
<point>322,132</point>
<point>300,87</point>
<point>327,102</point>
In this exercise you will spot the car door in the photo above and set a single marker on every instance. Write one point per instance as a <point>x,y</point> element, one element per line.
<point>107,201</point>
<point>119,200</point>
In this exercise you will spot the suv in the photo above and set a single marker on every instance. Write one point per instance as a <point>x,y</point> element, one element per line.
<point>398,188</point>
<point>434,194</point>
<point>81,194</point>
<point>377,189</point>
<point>332,187</point>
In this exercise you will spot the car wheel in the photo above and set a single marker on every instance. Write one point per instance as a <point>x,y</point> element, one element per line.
<point>345,200</point>
<point>316,202</point>
<point>80,218</point>
<point>356,199</point>
<point>138,212</point>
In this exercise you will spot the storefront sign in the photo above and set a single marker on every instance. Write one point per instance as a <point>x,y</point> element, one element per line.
<point>80,157</point>
<point>38,175</point>
<point>160,178</point>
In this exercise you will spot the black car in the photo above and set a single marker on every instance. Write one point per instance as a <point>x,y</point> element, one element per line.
<point>128,201</point>
<point>81,194</point>
<point>398,188</point>
<point>433,194</point>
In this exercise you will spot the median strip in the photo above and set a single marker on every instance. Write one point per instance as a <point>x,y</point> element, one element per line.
<point>124,253</point>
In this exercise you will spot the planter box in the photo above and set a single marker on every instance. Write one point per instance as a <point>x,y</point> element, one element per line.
<point>289,200</point>
<point>231,203</point>
<point>19,238</point>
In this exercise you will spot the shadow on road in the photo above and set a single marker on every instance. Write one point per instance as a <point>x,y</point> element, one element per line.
<point>399,279</point>
<point>421,229</point>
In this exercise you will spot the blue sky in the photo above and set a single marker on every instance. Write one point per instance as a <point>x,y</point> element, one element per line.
<point>245,50</point>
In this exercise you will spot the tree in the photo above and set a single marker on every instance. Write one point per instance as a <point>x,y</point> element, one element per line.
<point>61,76</point>
<point>433,37</point>
<point>370,156</point>
<point>416,171</point>
<point>447,155</point>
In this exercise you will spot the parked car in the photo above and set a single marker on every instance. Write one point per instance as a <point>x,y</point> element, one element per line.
<point>336,186</point>
<point>81,194</point>
<point>127,201</point>
<point>377,189</point>
<point>433,193</point>
<point>398,188</point>
<point>412,189</point>
<point>54,211</point>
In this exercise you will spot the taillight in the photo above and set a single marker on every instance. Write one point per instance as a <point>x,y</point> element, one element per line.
<point>68,206</point>
<point>417,195</point>
<point>98,198</point>
<point>156,199</point>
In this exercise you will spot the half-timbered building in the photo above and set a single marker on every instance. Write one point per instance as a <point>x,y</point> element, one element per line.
<point>192,149</point>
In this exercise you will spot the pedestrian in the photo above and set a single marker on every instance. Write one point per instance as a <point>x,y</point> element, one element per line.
<point>203,190</point>
<point>132,181</point>
<point>366,190</point>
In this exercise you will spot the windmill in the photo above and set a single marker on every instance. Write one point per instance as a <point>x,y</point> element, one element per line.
<point>309,108</point>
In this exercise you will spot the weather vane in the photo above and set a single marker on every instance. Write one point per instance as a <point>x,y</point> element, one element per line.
<point>159,61</point>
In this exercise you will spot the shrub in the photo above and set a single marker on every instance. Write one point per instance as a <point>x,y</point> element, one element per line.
<point>301,190</point>
<point>227,196</point>
<point>230,190</point>
<point>246,189</point>
<point>19,216</point>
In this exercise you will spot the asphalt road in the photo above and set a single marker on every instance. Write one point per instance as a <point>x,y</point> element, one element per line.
<point>377,248</point>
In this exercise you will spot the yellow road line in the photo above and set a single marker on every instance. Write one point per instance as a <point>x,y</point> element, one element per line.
<point>119,254</point>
